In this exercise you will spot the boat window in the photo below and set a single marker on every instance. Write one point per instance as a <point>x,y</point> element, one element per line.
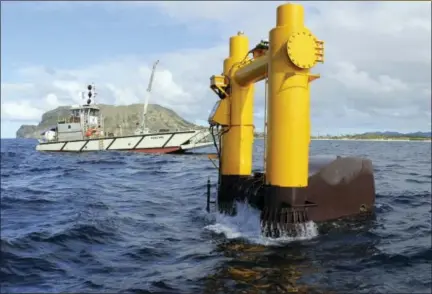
<point>93,112</point>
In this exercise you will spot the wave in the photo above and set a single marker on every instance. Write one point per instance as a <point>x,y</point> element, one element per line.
<point>246,225</point>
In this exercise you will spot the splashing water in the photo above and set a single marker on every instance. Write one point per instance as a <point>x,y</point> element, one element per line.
<point>144,242</point>
<point>246,225</point>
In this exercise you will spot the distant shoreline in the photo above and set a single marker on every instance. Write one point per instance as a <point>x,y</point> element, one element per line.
<point>385,140</point>
<point>328,139</point>
<point>366,140</point>
<point>387,136</point>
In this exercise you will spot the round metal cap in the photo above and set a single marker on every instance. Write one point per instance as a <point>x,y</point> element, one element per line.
<point>302,48</point>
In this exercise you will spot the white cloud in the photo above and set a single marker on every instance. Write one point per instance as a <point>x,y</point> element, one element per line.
<point>355,79</point>
<point>52,100</point>
<point>20,111</point>
<point>376,73</point>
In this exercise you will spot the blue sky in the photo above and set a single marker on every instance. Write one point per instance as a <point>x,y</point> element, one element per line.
<point>51,50</point>
<point>75,34</point>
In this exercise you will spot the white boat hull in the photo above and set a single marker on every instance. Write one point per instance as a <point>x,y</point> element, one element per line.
<point>149,143</point>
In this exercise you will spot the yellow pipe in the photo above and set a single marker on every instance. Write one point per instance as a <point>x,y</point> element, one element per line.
<point>288,102</point>
<point>293,51</point>
<point>252,72</point>
<point>237,142</point>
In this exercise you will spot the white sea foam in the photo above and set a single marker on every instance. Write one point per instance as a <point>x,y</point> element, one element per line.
<point>246,225</point>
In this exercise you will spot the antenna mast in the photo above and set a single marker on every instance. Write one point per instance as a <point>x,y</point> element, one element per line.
<point>148,95</point>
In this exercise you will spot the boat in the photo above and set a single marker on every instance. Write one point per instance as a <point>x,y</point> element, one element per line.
<point>83,131</point>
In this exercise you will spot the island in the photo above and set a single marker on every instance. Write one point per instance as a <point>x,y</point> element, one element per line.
<point>372,136</point>
<point>119,120</point>
<point>123,120</point>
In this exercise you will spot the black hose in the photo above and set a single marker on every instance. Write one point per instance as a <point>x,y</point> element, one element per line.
<point>214,141</point>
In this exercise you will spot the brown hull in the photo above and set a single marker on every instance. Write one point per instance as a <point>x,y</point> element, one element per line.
<point>344,187</point>
<point>337,188</point>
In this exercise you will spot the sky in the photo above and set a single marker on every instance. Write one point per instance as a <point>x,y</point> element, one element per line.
<point>376,75</point>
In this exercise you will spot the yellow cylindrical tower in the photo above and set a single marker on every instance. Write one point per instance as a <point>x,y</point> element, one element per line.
<point>283,196</point>
<point>292,54</point>
<point>238,140</point>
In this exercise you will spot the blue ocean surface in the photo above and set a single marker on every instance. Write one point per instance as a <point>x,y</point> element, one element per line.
<point>135,223</point>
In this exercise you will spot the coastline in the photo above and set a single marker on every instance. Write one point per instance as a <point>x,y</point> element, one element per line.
<point>366,140</point>
<point>373,140</point>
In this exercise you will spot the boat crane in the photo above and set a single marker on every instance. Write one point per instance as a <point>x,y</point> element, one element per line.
<point>143,129</point>
<point>83,130</point>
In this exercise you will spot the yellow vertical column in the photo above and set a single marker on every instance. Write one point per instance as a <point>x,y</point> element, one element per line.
<point>238,140</point>
<point>292,54</point>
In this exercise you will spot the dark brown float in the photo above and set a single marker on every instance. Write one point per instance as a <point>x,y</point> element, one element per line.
<point>338,188</point>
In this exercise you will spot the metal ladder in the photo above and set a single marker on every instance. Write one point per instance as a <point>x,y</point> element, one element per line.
<point>101,137</point>
<point>101,142</point>
<point>85,128</point>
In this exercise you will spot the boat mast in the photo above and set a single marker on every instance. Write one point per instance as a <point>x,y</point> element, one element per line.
<point>143,123</point>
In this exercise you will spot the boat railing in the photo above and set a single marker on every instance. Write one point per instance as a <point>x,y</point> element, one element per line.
<point>203,136</point>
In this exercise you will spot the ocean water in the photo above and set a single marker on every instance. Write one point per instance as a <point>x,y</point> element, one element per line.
<point>136,223</point>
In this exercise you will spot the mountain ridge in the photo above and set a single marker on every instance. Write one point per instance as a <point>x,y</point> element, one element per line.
<point>398,134</point>
<point>159,117</point>
<point>126,116</point>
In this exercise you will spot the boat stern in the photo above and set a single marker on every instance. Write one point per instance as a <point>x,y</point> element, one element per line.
<point>200,139</point>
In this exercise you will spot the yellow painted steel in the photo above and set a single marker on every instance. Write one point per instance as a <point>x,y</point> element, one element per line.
<point>253,71</point>
<point>237,142</point>
<point>293,51</point>
<point>218,85</point>
<point>221,114</point>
